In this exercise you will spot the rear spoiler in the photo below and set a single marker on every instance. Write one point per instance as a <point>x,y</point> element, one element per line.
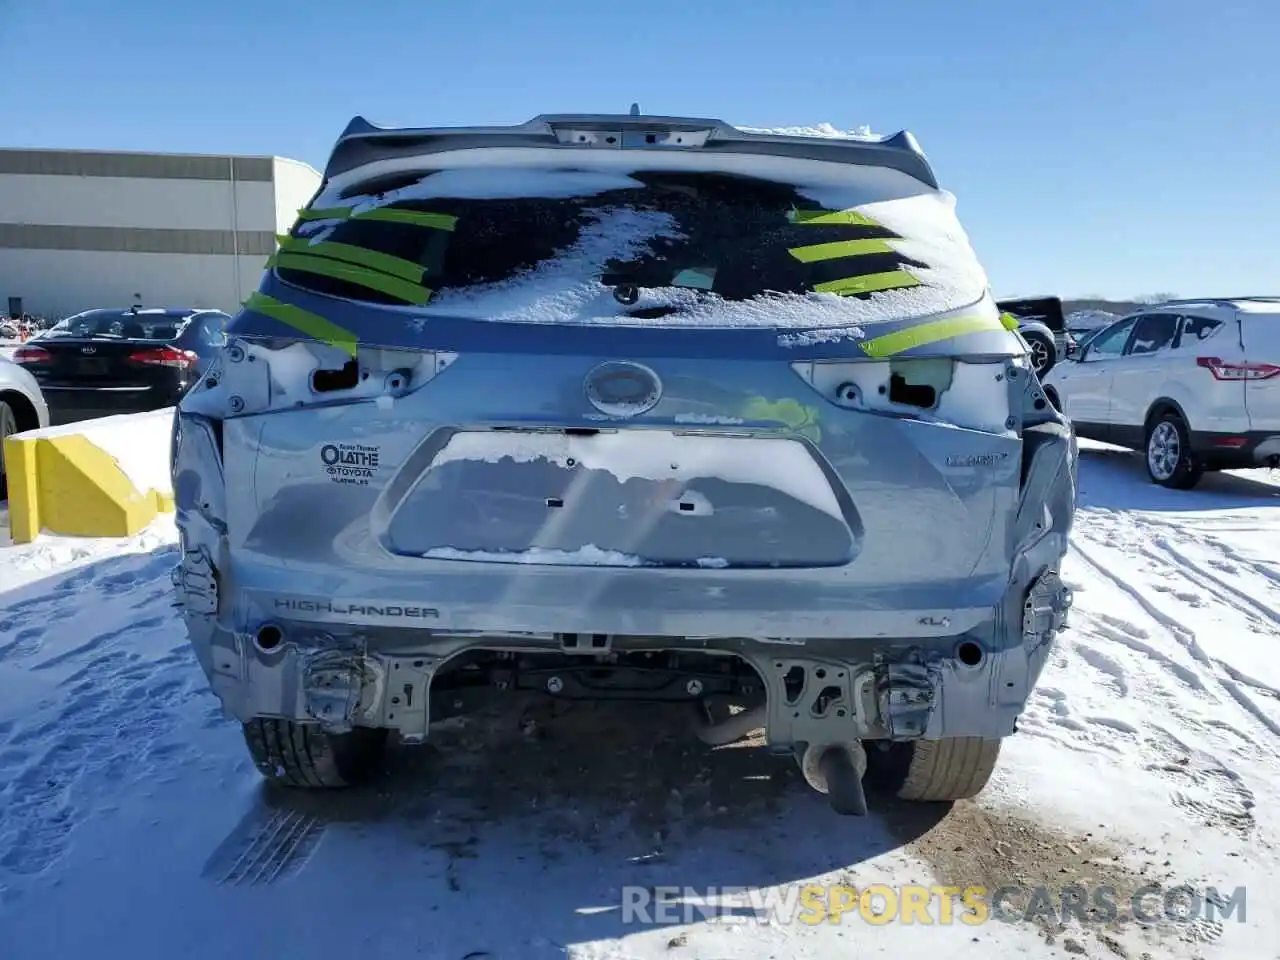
<point>362,142</point>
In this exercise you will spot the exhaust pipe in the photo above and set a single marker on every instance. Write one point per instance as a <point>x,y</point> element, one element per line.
<point>837,770</point>
<point>268,638</point>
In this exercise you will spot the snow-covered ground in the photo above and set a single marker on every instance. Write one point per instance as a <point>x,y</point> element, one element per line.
<point>132,823</point>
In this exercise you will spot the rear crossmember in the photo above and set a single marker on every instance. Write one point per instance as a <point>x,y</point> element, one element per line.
<point>819,701</point>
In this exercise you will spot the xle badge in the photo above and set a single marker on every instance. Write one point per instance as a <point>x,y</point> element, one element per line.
<point>349,463</point>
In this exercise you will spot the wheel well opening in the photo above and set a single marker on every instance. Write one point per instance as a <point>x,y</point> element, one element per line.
<point>1158,410</point>
<point>23,410</point>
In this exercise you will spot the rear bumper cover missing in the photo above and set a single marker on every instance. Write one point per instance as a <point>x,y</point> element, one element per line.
<point>816,691</point>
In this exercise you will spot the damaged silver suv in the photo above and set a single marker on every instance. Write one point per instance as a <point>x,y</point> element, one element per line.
<point>627,407</point>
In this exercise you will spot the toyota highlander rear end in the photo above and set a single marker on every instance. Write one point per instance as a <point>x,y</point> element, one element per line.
<point>626,407</point>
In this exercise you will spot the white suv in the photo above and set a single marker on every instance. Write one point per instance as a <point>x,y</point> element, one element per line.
<point>1193,383</point>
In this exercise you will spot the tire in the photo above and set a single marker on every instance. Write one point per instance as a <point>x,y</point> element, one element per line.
<point>8,427</point>
<point>1044,352</point>
<point>303,755</point>
<point>932,771</point>
<point>1167,454</point>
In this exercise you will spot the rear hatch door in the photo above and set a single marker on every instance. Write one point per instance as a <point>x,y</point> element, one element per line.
<point>645,359</point>
<point>1260,332</point>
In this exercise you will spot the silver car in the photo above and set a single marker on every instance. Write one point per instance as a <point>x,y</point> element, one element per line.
<point>22,408</point>
<point>626,407</point>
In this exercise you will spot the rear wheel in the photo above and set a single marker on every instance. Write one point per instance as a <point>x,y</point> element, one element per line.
<point>1168,454</point>
<point>956,768</point>
<point>8,427</point>
<point>303,755</point>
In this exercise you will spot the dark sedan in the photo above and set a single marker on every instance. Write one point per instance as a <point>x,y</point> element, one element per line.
<point>103,362</point>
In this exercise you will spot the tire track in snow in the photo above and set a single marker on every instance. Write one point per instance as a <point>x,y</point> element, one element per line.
<point>1206,579</point>
<point>1186,638</point>
<point>1203,788</point>
<point>1235,557</point>
<point>1194,571</point>
<point>1170,557</point>
<point>1126,634</point>
<point>1152,688</point>
<point>267,846</point>
<point>1137,674</point>
<point>1114,672</point>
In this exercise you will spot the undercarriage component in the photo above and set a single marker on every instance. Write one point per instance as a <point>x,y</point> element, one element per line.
<point>729,730</point>
<point>836,770</point>
<point>657,683</point>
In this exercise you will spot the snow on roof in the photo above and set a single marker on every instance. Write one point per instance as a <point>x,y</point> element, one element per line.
<point>821,130</point>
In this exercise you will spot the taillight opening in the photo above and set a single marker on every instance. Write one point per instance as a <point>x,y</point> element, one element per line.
<point>164,357</point>
<point>31,355</point>
<point>1224,370</point>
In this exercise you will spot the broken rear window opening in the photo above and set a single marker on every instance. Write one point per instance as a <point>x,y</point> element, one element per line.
<point>733,236</point>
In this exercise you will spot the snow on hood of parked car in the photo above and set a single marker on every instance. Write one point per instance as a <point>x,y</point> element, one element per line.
<point>566,289</point>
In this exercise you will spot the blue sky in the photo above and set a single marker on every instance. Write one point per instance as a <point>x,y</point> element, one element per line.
<point>1116,148</point>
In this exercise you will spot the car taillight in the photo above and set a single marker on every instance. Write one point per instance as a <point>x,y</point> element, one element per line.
<point>164,357</point>
<point>29,354</point>
<point>1222,370</point>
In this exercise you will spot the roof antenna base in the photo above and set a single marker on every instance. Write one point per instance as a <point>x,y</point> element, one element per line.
<point>635,109</point>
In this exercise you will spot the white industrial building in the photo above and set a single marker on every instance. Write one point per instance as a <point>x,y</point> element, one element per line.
<point>84,229</point>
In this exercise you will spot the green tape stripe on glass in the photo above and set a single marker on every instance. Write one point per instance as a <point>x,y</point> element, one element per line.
<point>384,262</point>
<point>871,283</point>
<point>419,218</point>
<point>413,293</point>
<point>825,218</point>
<point>925,333</point>
<point>309,323</point>
<point>817,252</point>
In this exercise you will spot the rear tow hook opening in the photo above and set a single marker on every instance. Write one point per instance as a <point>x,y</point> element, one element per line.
<point>837,769</point>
